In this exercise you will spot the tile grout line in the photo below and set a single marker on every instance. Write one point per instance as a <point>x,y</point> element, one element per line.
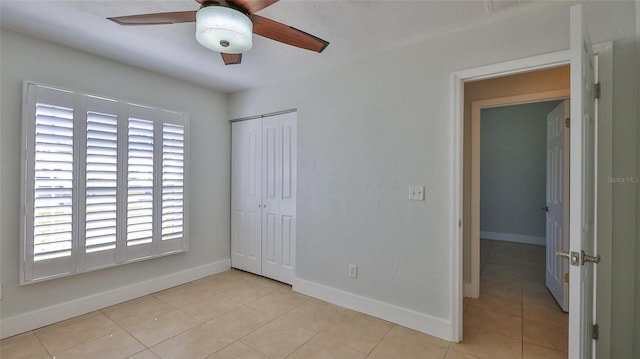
<point>42,343</point>
<point>130,334</point>
<point>379,341</point>
<point>267,323</point>
<point>301,345</point>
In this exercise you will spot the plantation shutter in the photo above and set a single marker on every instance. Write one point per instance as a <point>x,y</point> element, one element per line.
<point>105,183</point>
<point>101,178</point>
<point>48,184</point>
<point>140,182</point>
<point>172,181</point>
<point>53,186</point>
<point>102,181</point>
<point>172,175</point>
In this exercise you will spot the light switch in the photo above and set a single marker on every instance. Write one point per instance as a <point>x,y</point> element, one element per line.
<point>416,193</point>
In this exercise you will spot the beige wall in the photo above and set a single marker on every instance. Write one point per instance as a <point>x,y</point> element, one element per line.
<point>531,82</point>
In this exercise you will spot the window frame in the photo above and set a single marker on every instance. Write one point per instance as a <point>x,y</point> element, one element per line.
<point>80,261</point>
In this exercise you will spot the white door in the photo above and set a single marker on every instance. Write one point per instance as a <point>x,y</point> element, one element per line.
<point>279,172</point>
<point>246,202</point>
<point>557,208</point>
<point>582,189</point>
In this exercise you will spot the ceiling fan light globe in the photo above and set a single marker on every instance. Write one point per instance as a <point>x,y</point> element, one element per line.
<point>217,26</point>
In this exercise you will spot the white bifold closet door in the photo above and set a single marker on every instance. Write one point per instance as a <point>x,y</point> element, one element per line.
<point>263,203</point>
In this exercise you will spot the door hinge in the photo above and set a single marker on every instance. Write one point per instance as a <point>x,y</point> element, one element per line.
<point>596,88</point>
<point>566,277</point>
<point>594,331</point>
<point>567,122</point>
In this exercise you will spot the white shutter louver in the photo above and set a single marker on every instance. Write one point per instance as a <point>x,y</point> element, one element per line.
<point>101,183</point>
<point>140,182</point>
<point>172,181</point>
<point>53,185</point>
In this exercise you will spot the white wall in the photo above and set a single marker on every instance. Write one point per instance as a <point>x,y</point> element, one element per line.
<point>625,124</point>
<point>28,58</point>
<point>369,130</point>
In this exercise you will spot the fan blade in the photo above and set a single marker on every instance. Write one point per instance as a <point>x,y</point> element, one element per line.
<point>231,59</point>
<point>286,34</point>
<point>249,6</point>
<point>156,19</point>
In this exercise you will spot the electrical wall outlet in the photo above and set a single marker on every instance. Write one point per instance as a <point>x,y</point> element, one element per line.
<point>416,193</point>
<point>353,271</point>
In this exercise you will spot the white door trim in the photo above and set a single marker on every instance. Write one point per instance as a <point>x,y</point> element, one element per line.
<point>604,210</point>
<point>604,189</point>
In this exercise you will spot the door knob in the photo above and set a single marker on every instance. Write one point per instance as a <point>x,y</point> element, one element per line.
<point>545,209</point>
<point>573,257</point>
<point>591,259</point>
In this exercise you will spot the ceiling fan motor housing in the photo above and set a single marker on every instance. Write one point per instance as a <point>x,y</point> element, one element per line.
<point>224,29</point>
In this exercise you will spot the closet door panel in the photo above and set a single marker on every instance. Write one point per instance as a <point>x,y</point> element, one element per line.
<point>271,188</point>
<point>286,177</point>
<point>246,189</point>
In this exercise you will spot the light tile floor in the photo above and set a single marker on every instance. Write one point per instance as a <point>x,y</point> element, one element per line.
<point>515,315</point>
<point>238,315</point>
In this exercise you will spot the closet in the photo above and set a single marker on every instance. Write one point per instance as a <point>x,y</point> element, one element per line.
<point>263,195</point>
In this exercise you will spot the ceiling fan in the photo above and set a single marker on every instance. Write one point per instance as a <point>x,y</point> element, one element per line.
<point>226,26</point>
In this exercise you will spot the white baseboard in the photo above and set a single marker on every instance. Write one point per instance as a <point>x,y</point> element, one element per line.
<point>406,317</point>
<point>470,290</point>
<point>39,318</point>
<point>512,237</point>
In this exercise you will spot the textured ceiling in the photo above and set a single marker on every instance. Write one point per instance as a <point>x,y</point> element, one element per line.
<point>355,29</point>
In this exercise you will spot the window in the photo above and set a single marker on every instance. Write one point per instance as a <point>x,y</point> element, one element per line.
<point>104,183</point>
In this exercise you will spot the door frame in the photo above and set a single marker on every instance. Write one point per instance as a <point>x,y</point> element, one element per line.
<point>472,289</point>
<point>603,188</point>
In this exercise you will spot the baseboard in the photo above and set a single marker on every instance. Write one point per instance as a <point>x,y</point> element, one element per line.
<point>38,318</point>
<point>469,290</point>
<point>512,237</point>
<point>406,317</point>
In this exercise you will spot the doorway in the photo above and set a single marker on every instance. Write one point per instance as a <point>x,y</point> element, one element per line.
<point>535,86</point>
<point>460,155</point>
<point>513,298</point>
